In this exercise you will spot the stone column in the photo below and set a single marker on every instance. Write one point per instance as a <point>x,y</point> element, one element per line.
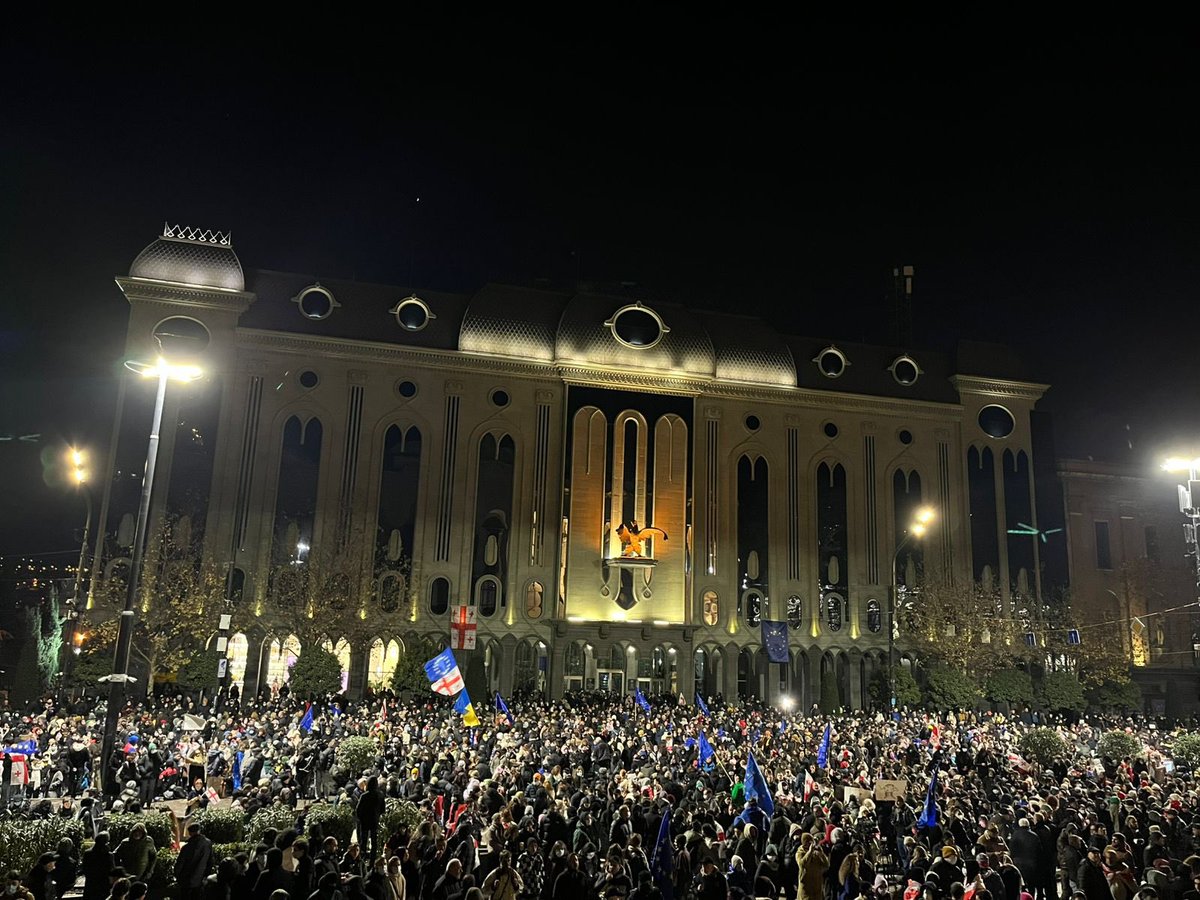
<point>685,670</point>
<point>855,666</point>
<point>557,676</point>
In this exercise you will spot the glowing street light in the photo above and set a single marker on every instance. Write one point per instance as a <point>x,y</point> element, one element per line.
<point>924,518</point>
<point>1189,506</point>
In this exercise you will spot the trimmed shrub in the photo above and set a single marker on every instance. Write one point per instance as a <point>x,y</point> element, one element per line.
<point>1117,745</point>
<point>162,879</point>
<point>1186,747</point>
<point>951,689</point>
<point>1118,696</point>
<point>1062,692</point>
<point>315,673</point>
<point>221,826</point>
<point>220,851</point>
<point>276,816</point>
<point>335,820</point>
<point>399,815</point>
<point>22,841</point>
<point>831,700</point>
<point>1042,746</point>
<point>354,756</point>
<point>1009,685</point>
<point>158,826</point>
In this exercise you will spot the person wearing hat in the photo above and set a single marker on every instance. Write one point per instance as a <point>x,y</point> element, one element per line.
<point>137,854</point>
<point>811,867</point>
<point>710,882</point>
<point>13,889</point>
<point>1091,878</point>
<point>946,869</point>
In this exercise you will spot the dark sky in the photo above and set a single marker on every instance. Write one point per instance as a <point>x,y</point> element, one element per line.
<point>1048,194</point>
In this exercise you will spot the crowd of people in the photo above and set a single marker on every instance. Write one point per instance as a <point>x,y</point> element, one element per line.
<point>560,800</point>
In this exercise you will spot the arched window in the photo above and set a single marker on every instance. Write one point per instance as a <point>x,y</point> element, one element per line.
<point>296,492</point>
<point>391,589</point>
<point>487,593</point>
<point>382,663</point>
<point>834,610</point>
<point>237,653</point>
<point>753,606</point>
<point>795,611</point>
<point>874,616</point>
<point>533,600</point>
<point>574,660</point>
<point>712,608</point>
<point>237,584</point>
<point>283,654</point>
<point>439,596</point>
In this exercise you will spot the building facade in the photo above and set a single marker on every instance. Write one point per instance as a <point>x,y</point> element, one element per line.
<point>375,457</point>
<point>1129,565</point>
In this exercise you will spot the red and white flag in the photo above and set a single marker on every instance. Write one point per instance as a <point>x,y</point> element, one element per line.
<point>935,738</point>
<point>462,628</point>
<point>809,785</point>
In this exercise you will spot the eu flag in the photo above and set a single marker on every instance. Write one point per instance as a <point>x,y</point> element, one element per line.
<point>662,864</point>
<point>641,700</point>
<point>701,705</point>
<point>775,640</point>
<point>237,769</point>
<point>823,750</point>
<point>501,706</point>
<point>756,786</point>
<point>929,815</point>
<point>706,749</point>
<point>307,722</point>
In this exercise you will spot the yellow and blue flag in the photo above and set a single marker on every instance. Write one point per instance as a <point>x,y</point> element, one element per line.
<point>462,706</point>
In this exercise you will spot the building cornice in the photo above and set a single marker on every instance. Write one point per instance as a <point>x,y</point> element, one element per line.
<point>592,376</point>
<point>999,387</point>
<point>149,290</point>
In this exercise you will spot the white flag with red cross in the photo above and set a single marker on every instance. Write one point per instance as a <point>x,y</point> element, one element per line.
<point>462,628</point>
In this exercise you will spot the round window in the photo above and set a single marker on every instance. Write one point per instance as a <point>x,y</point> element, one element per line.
<point>831,362</point>
<point>315,303</point>
<point>831,430</point>
<point>905,370</point>
<point>412,313</point>
<point>180,337</point>
<point>500,398</point>
<point>905,436</point>
<point>752,423</point>
<point>637,326</point>
<point>406,389</point>
<point>996,421</point>
<point>308,379</point>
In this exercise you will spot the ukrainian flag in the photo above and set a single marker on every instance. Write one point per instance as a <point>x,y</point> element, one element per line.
<point>462,705</point>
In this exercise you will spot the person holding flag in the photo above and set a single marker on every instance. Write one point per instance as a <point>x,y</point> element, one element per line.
<point>705,751</point>
<point>823,750</point>
<point>502,707</point>
<point>641,700</point>
<point>306,724</point>
<point>929,813</point>
<point>662,863</point>
<point>702,706</point>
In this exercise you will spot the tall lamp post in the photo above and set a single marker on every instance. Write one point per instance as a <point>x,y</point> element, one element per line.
<point>1189,505</point>
<point>916,529</point>
<point>164,371</point>
<point>77,460</point>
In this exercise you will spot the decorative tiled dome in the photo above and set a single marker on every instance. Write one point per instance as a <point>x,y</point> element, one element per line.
<point>505,321</point>
<point>749,351</point>
<point>191,256</point>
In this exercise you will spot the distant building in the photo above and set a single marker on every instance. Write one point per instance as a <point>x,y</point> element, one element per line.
<point>397,452</point>
<point>1128,565</point>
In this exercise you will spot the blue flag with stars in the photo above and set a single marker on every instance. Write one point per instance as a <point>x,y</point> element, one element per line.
<point>701,705</point>
<point>823,750</point>
<point>662,864</point>
<point>756,786</point>
<point>307,722</point>
<point>706,749</point>
<point>775,640</point>
<point>501,706</point>
<point>641,700</point>
<point>929,815</point>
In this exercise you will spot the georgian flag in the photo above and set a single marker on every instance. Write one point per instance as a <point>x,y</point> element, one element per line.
<point>444,675</point>
<point>809,785</point>
<point>935,738</point>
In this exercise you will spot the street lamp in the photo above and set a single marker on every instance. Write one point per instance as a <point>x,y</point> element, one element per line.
<point>1189,505</point>
<point>916,529</point>
<point>77,461</point>
<point>164,371</point>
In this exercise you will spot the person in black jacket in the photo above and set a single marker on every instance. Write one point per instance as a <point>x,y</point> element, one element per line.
<point>275,878</point>
<point>96,866</point>
<point>66,867</point>
<point>194,862</point>
<point>40,879</point>
<point>1091,878</point>
<point>368,812</point>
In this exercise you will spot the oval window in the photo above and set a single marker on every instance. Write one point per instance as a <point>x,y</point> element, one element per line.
<point>996,421</point>
<point>180,337</point>
<point>905,370</point>
<point>412,313</point>
<point>831,362</point>
<point>637,326</point>
<point>315,303</point>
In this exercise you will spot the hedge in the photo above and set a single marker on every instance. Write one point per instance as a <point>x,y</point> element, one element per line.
<point>220,851</point>
<point>334,820</point>
<point>1117,745</point>
<point>158,826</point>
<point>354,756</point>
<point>399,815</point>
<point>22,841</point>
<point>276,816</point>
<point>1042,746</point>
<point>221,826</point>
<point>162,879</point>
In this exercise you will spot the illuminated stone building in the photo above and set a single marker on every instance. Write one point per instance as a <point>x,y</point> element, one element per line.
<point>414,450</point>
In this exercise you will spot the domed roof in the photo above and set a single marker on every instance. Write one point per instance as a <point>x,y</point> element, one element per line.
<point>510,321</point>
<point>605,331</point>
<point>191,256</point>
<point>749,351</point>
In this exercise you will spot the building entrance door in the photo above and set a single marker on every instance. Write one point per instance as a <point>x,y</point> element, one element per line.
<point>610,681</point>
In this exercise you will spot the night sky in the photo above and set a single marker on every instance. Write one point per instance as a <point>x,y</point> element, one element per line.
<point>1047,193</point>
